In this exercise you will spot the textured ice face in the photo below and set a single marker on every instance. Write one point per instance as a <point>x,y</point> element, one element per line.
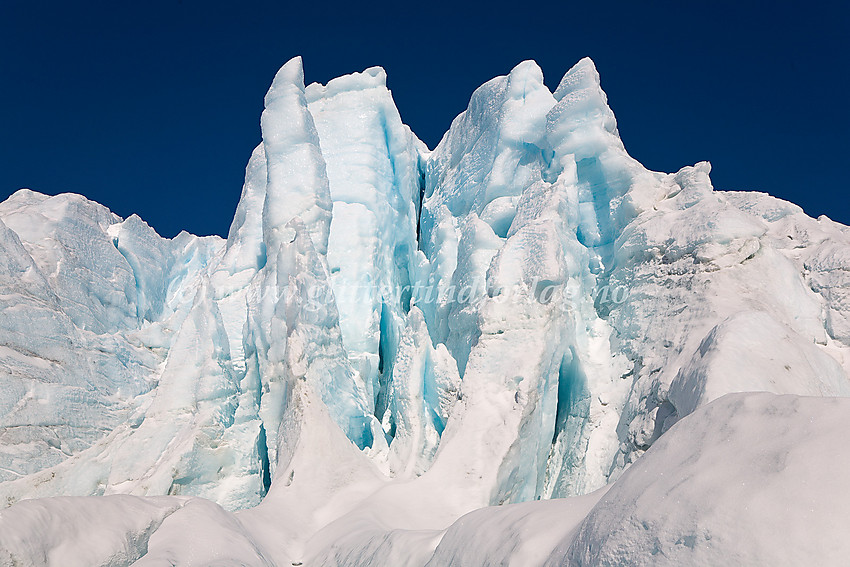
<point>81,353</point>
<point>390,338</point>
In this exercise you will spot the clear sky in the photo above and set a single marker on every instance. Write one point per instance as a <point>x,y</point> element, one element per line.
<point>153,108</point>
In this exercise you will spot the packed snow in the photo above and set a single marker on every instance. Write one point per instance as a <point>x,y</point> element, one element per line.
<point>520,348</point>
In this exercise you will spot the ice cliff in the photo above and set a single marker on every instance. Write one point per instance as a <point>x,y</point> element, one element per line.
<point>392,343</point>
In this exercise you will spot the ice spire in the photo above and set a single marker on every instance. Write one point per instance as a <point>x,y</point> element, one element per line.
<point>581,123</point>
<point>297,179</point>
<point>245,247</point>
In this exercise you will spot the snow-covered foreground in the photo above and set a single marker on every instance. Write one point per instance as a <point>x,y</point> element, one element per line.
<point>750,479</point>
<point>521,348</point>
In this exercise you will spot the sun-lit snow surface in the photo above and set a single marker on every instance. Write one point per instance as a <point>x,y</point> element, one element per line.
<point>391,340</point>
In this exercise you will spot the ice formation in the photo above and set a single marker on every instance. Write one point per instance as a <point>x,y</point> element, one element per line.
<point>522,339</point>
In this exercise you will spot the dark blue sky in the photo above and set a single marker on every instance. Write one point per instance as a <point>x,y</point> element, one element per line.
<point>154,108</point>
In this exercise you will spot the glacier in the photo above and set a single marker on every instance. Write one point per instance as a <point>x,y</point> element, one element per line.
<point>519,348</point>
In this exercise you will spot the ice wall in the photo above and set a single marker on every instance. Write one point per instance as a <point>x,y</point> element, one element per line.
<point>390,338</point>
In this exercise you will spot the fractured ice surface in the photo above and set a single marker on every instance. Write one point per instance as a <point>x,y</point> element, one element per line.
<point>391,338</point>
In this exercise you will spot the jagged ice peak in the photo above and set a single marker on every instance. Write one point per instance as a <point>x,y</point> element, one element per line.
<point>399,352</point>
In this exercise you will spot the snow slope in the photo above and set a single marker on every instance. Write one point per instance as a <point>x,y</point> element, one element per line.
<point>397,352</point>
<point>751,479</point>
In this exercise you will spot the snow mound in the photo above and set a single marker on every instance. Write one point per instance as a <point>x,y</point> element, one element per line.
<point>750,479</point>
